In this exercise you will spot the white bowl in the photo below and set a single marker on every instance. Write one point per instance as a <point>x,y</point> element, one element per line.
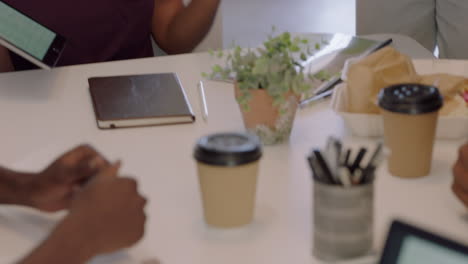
<point>371,125</point>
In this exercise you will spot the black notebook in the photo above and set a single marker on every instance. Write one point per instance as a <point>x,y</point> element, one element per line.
<point>139,100</point>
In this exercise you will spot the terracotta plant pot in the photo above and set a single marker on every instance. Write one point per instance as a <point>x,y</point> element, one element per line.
<point>265,120</point>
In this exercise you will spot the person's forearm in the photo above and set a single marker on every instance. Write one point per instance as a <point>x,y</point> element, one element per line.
<point>189,26</point>
<point>66,244</point>
<point>13,187</point>
<point>5,61</point>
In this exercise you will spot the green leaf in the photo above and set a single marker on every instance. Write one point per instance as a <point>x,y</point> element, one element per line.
<point>317,46</point>
<point>261,66</point>
<point>323,75</point>
<point>217,68</point>
<point>295,48</point>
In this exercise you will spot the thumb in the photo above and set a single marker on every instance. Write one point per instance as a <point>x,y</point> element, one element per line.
<point>110,171</point>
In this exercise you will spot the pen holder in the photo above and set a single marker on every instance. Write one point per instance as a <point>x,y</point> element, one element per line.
<point>343,220</point>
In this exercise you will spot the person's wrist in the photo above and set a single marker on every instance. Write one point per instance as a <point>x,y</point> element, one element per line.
<point>65,244</point>
<point>17,191</point>
<point>26,184</point>
<point>72,236</point>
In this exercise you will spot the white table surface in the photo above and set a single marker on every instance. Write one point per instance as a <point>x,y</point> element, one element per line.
<point>44,113</point>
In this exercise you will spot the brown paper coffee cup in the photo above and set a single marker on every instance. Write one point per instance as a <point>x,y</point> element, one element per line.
<point>227,170</point>
<point>410,139</point>
<point>228,193</point>
<point>410,114</point>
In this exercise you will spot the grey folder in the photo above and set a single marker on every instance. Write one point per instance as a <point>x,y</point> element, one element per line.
<point>139,100</point>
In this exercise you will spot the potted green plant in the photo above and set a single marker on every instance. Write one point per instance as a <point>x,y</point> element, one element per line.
<point>269,82</point>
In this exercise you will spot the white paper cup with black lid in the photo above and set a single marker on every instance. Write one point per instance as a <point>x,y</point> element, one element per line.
<point>410,114</point>
<point>227,170</point>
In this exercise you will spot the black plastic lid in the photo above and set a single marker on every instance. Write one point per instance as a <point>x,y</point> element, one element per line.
<point>410,99</point>
<point>228,149</point>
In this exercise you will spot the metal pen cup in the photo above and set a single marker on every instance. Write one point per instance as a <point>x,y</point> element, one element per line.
<point>343,220</point>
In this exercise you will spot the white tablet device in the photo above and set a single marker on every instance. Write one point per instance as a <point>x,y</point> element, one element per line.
<point>29,39</point>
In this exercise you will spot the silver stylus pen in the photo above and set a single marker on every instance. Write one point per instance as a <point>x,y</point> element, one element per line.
<point>201,90</point>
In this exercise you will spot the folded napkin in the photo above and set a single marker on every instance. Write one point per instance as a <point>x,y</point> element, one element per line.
<point>365,78</point>
<point>450,86</point>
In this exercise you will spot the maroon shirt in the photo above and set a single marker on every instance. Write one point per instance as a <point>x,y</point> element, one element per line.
<point>96,30</point>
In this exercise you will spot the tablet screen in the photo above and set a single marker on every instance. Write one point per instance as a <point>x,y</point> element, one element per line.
<point>418,250</point>
<point>24,33</point>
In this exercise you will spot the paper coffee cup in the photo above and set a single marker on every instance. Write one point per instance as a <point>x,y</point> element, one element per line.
<point>227,171</point>
<point>410,113</point>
